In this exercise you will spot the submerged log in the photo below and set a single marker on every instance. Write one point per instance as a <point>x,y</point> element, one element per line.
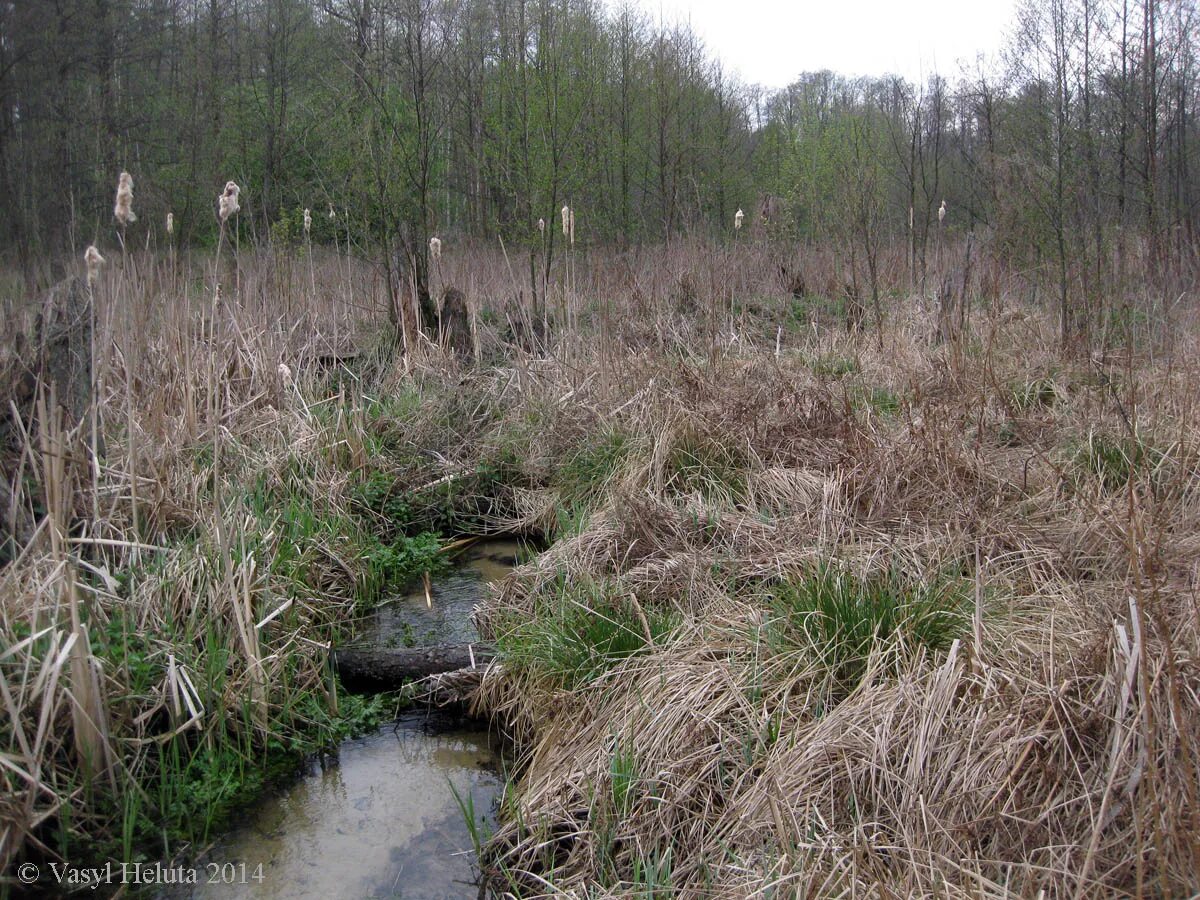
<point>385,669</point>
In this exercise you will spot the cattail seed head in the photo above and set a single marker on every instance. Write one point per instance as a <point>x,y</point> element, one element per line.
<point>227,203</point>
<point>566,219</point>
<point>123,208</point>
<point>93,260</point>
<point>285,373</point>
<point>435,248</point>
<point>307,220</point>
<point>332,214</point>
<point>737,220</point>
<point>542,225</point>
<point>170,223</point>
<point>942,212</point>
<point>571,227</point>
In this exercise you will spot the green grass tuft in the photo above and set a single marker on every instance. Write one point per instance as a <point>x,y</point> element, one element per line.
<point>713,468</point>
<point>1113,461</point>
<point>1040,392</point>
<point>843,618</point>
<point>579,631</point>
<point>878,400</point>
<point>831,366</point>
<point>587,471</point>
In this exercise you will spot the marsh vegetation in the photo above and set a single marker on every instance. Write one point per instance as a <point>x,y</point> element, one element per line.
<point>850,433</point>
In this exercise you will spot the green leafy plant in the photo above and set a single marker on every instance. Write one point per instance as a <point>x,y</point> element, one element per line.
<point>407,558</point>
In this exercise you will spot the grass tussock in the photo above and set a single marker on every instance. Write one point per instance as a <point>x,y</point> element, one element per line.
<point>820,611</point>
<point>846,620</point>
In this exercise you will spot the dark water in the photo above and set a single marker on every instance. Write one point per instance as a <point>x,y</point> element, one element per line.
<point>382,820</point>
<point>444,617</point>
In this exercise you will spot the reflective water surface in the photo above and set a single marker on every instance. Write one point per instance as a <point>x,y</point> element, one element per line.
<point>381,820</point>
<point>445,617</point>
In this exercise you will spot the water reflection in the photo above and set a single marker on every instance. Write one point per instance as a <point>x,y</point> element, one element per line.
<point>409,620</point>
<point>381,821</point>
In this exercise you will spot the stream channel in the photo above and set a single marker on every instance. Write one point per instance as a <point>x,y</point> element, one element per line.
<point>381,820</point>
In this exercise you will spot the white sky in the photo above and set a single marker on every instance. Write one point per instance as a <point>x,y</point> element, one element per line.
<point>770,42</point>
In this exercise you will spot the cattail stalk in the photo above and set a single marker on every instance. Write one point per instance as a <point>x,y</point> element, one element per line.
<point>312,275</point>
<point>123,208</point>
<point>94,261</point>
<point>229,205</point>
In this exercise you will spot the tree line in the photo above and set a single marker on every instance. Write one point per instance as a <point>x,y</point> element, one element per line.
<point>394,120</point>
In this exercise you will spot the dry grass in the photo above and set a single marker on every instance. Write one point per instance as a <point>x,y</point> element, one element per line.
<point>697,441</point>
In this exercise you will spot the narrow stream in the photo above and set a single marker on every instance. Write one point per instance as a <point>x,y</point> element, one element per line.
<point>382,820</point>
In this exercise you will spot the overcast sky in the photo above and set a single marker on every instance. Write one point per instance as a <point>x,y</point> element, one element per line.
<point>770,42</point>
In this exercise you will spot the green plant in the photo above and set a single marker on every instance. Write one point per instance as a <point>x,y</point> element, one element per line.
<point>843,618</point>
<point>831,366</point>
<point>714,468</point>
<point>579,631</point>
<point>381,494</point>
<point>1113,461</point>
<point>1040,392</point>
<point>652,875</point>
<point>406,558</point>
<point>879,400</point>
<point>588,469</point>
<point>623,780</point>
<point>477,826</point>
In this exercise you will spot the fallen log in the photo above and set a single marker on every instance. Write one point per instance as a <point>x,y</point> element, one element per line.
<point>387,669</point>
<point>447,688</point>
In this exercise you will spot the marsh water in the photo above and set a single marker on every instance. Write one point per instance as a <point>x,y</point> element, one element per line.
<point>445,618</point>
<point>382,820</point>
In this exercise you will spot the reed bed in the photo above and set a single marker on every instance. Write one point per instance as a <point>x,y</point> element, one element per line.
<point>828,606</point>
